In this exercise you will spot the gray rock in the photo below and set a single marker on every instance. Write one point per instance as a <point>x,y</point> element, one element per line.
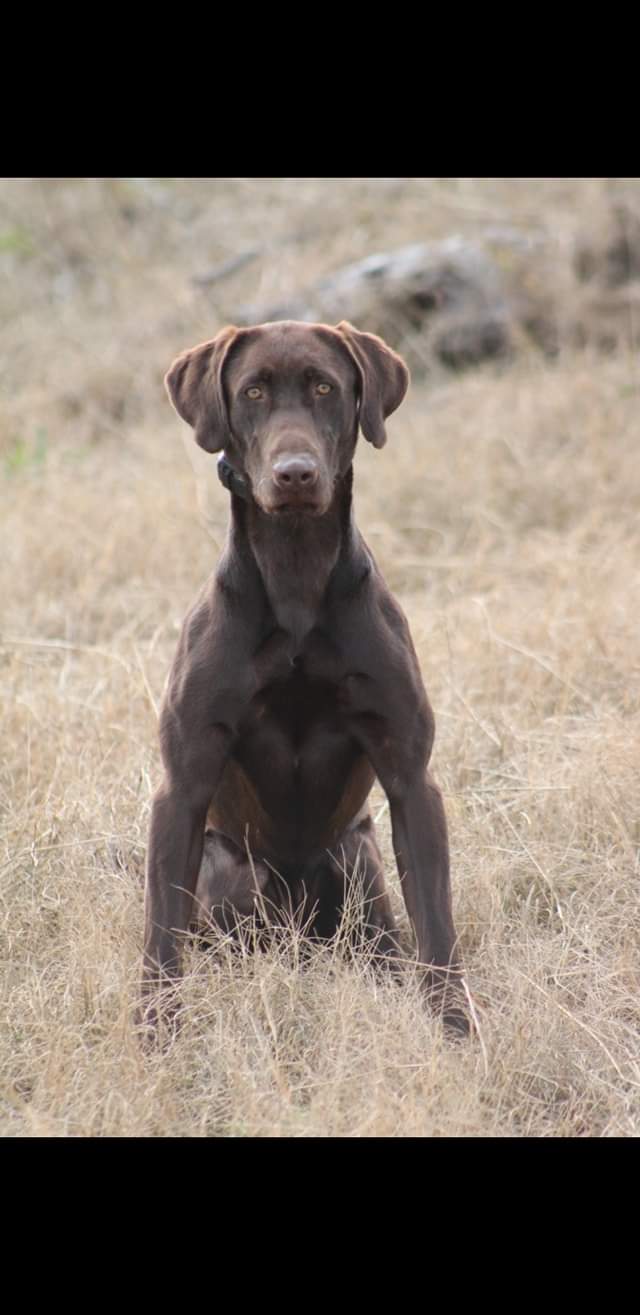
<point>436,302</point>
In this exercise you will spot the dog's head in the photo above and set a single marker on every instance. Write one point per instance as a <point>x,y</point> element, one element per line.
<point>285,401</point>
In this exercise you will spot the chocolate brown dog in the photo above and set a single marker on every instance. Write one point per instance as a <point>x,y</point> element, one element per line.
<point>295,682</point>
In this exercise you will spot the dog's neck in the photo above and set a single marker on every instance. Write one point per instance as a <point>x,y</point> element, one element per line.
<point>300,558</point>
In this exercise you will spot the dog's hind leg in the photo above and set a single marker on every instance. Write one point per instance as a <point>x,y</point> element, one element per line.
<point>230,885</point>
<point>353,874</point>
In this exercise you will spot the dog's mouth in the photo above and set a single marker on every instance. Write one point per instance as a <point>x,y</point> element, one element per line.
<point>286,507</point>
<point>301,508</point>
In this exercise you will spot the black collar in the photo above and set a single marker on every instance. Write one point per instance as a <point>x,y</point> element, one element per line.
<point>231,480</point>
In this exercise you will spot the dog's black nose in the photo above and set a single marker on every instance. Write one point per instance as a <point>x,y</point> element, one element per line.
<point>295,474</point>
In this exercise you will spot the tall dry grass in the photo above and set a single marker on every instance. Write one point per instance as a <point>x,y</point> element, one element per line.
<point>504,512</point>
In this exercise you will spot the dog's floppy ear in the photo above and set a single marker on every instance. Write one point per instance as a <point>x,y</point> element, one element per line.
<point>194,384</point>
<point>384,379</point>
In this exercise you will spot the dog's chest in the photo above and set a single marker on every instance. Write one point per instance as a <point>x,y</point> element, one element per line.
<point>295,731</point>
<point>294,661</point>
<point>297,707</point>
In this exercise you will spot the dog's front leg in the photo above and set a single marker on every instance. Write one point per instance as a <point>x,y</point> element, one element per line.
<point>174,855</point>
<point>209,687</point>
<point>391,717</point>
<point>421,848</point>
<point>422,853</point>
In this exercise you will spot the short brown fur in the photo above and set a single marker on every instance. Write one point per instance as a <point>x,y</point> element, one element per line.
<point>295,681</point>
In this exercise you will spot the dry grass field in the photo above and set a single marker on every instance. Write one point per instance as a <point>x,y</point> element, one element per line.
<point>504,512</point>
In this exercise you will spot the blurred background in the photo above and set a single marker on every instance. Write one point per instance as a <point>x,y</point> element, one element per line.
<point>105,280</point>
<point>504,513</point>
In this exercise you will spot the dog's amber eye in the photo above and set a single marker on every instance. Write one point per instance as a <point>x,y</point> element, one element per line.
<point>254,393</point>
<point>323,389</point>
